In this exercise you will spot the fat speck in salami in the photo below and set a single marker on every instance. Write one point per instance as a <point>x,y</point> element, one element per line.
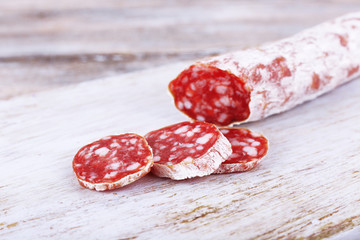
<point>248,148</point>
<point>113,162</point>
<point>188,149</point>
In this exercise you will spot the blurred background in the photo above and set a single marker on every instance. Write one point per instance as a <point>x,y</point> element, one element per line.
<point>46,44</point>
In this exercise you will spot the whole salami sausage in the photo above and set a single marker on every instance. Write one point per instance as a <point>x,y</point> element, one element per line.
<point>248,147</point>
<point>252,84</point>
<point>113,162</point>
<point>187,149</point>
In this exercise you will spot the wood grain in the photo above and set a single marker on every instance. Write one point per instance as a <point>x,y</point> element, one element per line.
<point>306,188</point>
<point>45,44</point>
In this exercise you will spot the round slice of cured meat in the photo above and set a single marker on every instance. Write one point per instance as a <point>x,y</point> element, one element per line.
<point>248,148</point>
<point>188,149</point>
<point>113,162</point>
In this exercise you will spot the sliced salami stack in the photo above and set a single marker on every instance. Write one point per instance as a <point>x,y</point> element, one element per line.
<point>179,151</point>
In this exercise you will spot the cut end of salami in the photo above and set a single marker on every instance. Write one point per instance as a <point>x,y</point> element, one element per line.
<point>255,83</point>
<point>248,148</point>
<point>207,93</point>
<point>113,162</point>
<point>188,149</point>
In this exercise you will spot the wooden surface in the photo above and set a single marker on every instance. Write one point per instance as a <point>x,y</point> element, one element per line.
<point>306,188</point>
<point>48,43</point>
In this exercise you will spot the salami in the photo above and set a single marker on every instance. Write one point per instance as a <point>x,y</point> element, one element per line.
<point>248,148</point>
<point>113,162</point>
<point>252,84</point>
<point>188,149</point>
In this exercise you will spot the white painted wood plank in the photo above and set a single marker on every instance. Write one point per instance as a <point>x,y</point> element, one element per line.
<point>349,235</point>
<point>46,44</point>
<point>308,186</point>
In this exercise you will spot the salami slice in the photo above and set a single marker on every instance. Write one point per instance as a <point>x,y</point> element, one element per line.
<point>113,162</point>
<point>187,149</point>
<point>248,148</point>
<point>252,84</point>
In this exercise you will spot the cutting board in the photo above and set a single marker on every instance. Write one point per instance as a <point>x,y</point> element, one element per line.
<point>308,186</point>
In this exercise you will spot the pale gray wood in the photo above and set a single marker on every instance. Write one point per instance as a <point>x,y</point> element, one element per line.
<point>49,43</point>
<point>307,186</point>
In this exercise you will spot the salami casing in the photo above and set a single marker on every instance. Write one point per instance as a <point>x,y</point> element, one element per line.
<point>113,162</point>
<point>255,83</point>
<point>248,147</point>
<point>187,149</point>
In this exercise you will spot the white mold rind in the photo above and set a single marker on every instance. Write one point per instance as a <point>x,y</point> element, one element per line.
<point>198,167</point>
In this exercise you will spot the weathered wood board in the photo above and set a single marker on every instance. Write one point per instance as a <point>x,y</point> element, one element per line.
<point>307,187</point>
<point>48,43</point>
